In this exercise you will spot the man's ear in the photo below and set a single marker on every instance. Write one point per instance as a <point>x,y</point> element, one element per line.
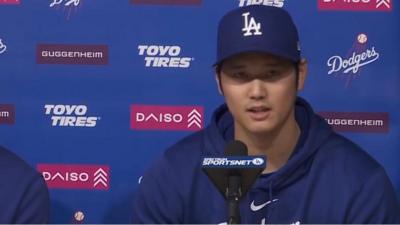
<point>218,81</point>
<point>303,70</point>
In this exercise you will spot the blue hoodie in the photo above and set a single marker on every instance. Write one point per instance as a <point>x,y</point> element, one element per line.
<point>24,196</point>
<point>327,179</point>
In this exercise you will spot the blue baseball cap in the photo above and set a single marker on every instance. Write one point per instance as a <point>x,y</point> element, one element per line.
<point>258,28</point>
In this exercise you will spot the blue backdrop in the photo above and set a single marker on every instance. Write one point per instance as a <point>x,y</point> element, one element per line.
<point>93,91</point>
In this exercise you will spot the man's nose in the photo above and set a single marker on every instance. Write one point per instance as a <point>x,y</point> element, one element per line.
<point>257,89</point>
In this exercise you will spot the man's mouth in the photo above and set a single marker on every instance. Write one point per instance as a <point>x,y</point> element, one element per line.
<point>259,112</point>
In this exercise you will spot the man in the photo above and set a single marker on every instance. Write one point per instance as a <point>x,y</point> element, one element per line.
<point>313,175</point>
<point>23,193</point>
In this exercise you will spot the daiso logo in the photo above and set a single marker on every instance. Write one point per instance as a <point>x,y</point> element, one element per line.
<point>153,117</point>
<point>10,2</point>
<point>355,5</point>
<point>72,176</point>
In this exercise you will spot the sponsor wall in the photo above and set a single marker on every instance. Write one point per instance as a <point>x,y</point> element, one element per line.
<point>93,91</point>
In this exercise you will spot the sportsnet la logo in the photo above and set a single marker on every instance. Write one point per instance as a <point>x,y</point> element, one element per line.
<point>234,161</point>
<point>3,47</point>
<point>76,176</point>
<point>70,116</point>
<point>349,66</point>
<point>148,117</point>
<point>276,3</point>
<point>164,56</point>
<point>355,5</point>
<point>67,6</point>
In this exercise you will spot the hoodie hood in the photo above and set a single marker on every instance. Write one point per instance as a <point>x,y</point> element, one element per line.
<point>314,132</point>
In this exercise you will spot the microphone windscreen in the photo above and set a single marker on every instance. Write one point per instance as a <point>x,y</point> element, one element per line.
<point>236,148</point>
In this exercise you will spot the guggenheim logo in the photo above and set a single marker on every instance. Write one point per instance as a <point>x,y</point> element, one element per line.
<point>72,54</point>
<point>7,114</point>
<point>364,122</point>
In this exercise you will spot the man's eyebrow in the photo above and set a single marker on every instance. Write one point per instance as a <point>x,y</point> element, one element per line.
<point>241,66</point>
<point>234,66</point>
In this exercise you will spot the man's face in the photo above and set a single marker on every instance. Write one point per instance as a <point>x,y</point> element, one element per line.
<point>260,91</point>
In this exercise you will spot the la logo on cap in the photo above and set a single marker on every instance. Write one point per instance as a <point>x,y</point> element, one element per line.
<point>250,27</point>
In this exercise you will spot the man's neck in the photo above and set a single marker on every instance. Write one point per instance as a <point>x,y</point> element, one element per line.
<point>277,146</point>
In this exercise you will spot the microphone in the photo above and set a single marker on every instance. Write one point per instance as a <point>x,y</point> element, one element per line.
<point>234,174</point>
<point>234,190</point>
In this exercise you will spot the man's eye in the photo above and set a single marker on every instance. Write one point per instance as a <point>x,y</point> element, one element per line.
<point>272,74</point>
<point>239,76</point>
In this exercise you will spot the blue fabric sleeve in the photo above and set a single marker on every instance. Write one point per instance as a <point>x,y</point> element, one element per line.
<point>157,199</point>
<point>376,202</point>
<point>34,207</point>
